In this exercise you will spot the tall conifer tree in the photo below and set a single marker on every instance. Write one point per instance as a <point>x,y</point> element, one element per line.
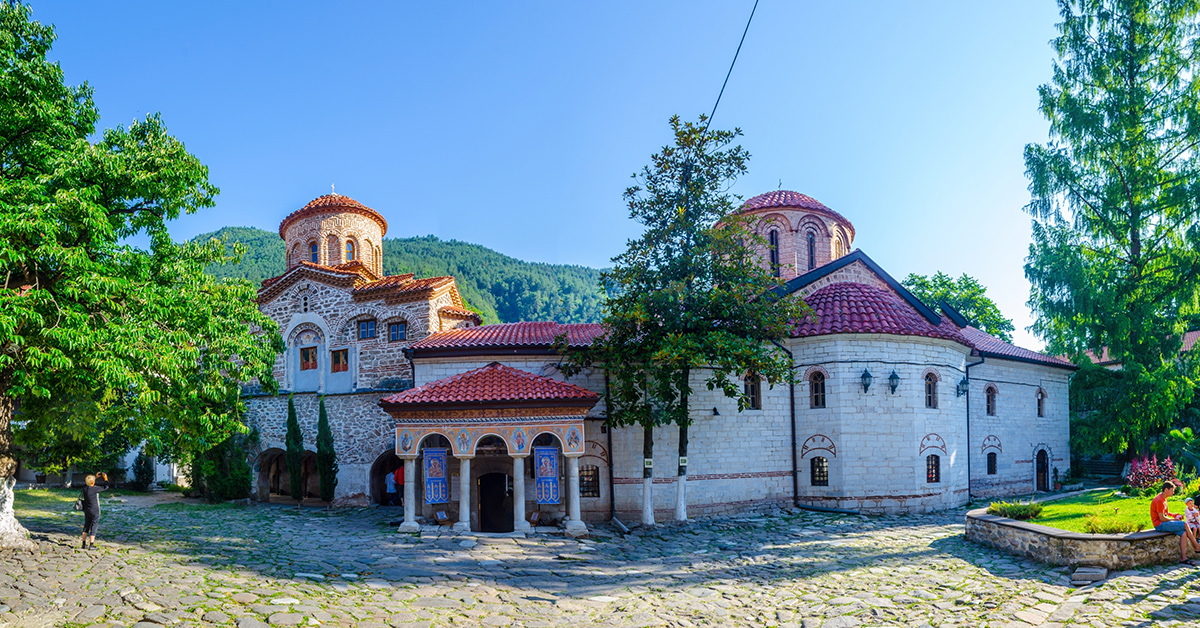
<point>294,441</point>
<point>1115,259</point>
<point>327,465</point>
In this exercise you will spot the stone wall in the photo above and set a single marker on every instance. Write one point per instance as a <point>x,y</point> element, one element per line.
<point>330,230</point>
<point>1016,433</point>
<point>1059,547</point>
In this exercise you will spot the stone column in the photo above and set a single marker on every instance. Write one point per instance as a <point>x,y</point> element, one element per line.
<point>464,495</point>
<point>519,522</point>
<point>575,526</point>
<point>410,496</point>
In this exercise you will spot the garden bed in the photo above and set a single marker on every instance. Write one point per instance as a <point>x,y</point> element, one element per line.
<point>1109,512</point>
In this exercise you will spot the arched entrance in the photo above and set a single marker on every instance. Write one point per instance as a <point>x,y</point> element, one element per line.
<point>274,481</point>
<point>494,485</point>
<point>1043,471</point>
<point>385,465</point>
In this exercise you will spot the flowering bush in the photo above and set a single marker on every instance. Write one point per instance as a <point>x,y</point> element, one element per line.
<point>1148,472</point>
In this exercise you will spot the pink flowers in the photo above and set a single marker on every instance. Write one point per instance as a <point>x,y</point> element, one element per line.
<point>1150,471</point>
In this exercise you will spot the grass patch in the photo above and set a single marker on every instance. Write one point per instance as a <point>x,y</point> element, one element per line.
<point>38,499</point>
<point>1018,511</point>
<point>183,506</point>
<point>1101,510</point>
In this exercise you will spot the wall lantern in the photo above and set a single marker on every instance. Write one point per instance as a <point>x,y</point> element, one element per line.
<point>963,386</point>
<point>866,379</point>
<point>715,413</point>
<point>893,381</point>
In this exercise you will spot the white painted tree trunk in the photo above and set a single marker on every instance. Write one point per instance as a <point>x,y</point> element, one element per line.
<point>12,533</point>
<point>70,473</point>
<point>681,497</point>
<point>647,501</point>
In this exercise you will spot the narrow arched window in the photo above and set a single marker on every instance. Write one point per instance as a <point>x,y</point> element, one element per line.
<point>933,469</point>
<point>819,471</point>
<point>991,463</point>
<point>816,390</point>
<point>990,394</point>
<point>305,303</point>
<point>753,387</point>
<point>812,250</point>
<point>773,247</point>
<point>1041,403</point>
<point>930,390</point>
<point>313,255</point>
<point>349,250</point>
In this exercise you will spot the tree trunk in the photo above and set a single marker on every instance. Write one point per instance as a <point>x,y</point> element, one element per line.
<point>681,479</point>
<point>12,533</point>
<point>70,474</point>
<point>647,476</point>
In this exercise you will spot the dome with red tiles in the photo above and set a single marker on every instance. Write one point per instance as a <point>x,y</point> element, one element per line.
<point>855,308</point>
<point>787,199</point>
<point>332,203</point>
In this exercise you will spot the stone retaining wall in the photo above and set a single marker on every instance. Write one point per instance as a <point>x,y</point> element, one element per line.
<point>1060,547</point>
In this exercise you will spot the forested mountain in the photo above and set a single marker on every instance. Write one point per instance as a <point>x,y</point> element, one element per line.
<point>500,288</point>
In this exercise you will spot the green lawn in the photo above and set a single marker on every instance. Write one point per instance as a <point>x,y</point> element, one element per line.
<point>1068,514</point>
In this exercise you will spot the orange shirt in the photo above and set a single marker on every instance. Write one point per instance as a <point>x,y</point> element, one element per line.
<point>1157,506</point>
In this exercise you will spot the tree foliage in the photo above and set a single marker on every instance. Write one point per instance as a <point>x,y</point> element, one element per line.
<point>294,452</point>
<point>142,471</point>
<point>327,466</point>
<point>498,287</point>
<point>1115,259</point>
<point>964,294</point>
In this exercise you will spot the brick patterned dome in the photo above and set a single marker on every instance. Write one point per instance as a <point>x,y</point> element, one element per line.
<point>335,202</point>
<point>789,199</point>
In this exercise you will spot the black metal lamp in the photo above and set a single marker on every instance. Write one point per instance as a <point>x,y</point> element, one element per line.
<point>715,413</point>
<point>963,386</point>
<point>866,379</point>
<point>893,381</point>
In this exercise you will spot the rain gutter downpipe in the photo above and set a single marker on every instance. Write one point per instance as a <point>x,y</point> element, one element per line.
<point>792,395</point>
<point>970,495</point>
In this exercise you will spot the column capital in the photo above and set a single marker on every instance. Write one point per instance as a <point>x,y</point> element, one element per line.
<point>465,457</point>
<point>408,456</point>
<point>522,456</point>
<point>572,454</point>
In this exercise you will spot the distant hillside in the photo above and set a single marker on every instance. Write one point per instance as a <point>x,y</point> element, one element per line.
<point>499,287</point>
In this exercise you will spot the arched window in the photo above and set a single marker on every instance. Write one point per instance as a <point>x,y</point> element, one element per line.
<point>753,387</point>
<point>812,250</point>
<point>816,390</point>
<point>838,249</point>
<point>933,469</point>
<point>1041,403</point>
<point>773,248</point>
<point>930,390</point>
<point>991,463</point>
<point>350,250</point>
<point>313,253</point>
<point>990,393</point>
<point>304,304</point>
<point>819,468</point>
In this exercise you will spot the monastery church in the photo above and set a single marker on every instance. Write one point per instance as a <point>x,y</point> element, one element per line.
<point>897,407</point>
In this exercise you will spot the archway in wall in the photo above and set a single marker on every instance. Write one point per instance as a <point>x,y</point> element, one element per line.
<point>493,482</point>
<point>386,464</point>
<point>272,474</point>
<point>1043,471</point>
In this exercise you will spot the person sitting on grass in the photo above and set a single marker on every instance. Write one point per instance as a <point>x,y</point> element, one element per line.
<point>1165,521</point>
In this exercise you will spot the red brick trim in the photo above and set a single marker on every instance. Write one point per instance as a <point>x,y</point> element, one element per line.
<point>708,476</point>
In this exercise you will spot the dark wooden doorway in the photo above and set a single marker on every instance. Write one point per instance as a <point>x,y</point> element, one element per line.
<point>1043,471</point>
<point>495,503</point>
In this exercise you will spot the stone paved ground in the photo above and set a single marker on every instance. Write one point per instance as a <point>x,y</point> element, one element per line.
<point>176,564</point>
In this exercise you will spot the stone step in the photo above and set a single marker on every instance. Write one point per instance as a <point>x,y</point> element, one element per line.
<point>1089,574</point>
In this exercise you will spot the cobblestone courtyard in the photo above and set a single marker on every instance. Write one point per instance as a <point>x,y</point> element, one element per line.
<point>165,562</point>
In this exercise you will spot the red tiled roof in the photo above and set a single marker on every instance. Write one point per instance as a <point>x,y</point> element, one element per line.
<point>1105,358</point>
<point>492,384</point>
<point>329,202</point>
<point>460,312</point>
<point>855,308</point>
<point>991,345</point>
<point>350,269</point>
<point>788,198</point>
<point>527,334</point>
<point>365,284</point>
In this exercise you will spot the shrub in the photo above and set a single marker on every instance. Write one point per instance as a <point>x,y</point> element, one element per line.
<point>1127,489</point>
<point>143,471</point>
<point>1018,511</point>
<point>1098,525</point>
<point>1149,472</point>
<point>222,473</point>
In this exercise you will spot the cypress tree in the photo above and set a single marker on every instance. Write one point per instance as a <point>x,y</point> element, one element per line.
<point>295,450</point>
<point>327,464</point>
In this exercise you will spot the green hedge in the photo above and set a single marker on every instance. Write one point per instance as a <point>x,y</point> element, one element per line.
<point>1018,511</point>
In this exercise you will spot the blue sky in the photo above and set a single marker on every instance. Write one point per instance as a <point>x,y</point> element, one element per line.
<point>517,125</point>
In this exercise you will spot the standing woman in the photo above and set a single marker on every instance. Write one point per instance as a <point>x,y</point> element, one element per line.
<point>91,509</point>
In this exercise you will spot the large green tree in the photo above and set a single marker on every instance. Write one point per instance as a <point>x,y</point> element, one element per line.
<point>122,333</point>
<point>964,294</point>
<point>293,454</point>
<point>689,302</point>
<point>327,466</point>
<point>1115,259</point>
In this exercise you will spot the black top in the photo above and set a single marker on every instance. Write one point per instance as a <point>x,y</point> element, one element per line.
<point>91,498</point>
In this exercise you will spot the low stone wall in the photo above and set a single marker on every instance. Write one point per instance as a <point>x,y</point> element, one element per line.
<point>1060,547</point>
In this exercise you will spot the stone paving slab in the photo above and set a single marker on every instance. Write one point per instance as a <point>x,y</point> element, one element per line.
<point>182,565</point>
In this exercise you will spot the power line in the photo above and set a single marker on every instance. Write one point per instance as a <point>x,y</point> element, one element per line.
<point>730,72</point>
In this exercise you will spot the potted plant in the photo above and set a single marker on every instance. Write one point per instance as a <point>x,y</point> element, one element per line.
<point>1057,484</point>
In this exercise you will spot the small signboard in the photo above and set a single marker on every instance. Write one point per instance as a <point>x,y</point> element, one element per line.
<point>437,491</point>
<point>545,465</point>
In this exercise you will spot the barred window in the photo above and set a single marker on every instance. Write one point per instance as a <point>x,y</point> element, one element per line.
<point>589,481</point>
<point>930,390</point>
<point>991,400</point>
<point>753,392</point>
<point>816,390</point>
<point>397,331</point>
<point>1041,403</point>
<point>339,361</point>
<point>991,463</point>
<point>933,469</point>
<point>773,245</point>
<point>366,329</point>
<point>819,467</point>
<point>308,358</point>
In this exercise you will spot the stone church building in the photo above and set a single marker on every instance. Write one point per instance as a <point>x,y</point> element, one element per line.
<point>898,407</point>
